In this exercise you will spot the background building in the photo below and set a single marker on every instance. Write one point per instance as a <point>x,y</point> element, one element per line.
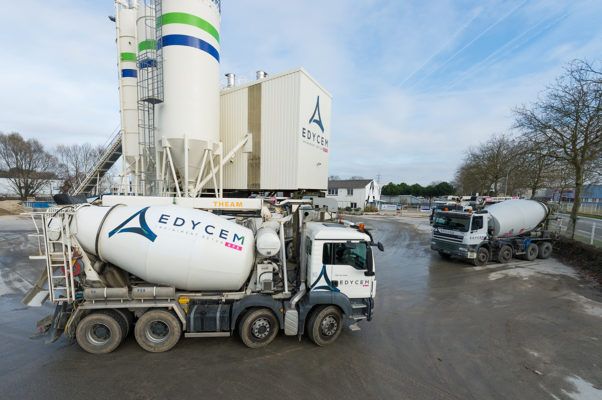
<point>354,193</point>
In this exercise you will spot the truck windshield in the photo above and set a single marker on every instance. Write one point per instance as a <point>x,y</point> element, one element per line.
<point>452,222</point>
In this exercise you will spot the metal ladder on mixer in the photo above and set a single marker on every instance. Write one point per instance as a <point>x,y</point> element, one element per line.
<point>56,248</point>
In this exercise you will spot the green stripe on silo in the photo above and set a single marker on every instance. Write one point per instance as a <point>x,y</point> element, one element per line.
<point>128,57</point>
<point>149,44</point>
<point>188,19</point>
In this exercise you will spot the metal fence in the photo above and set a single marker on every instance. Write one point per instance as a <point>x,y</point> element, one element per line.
<point>585,208</point>
<point>588,230</point>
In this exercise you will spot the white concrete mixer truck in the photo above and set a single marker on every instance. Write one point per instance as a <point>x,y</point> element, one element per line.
<point>499,232</point>
<point>160,270</point>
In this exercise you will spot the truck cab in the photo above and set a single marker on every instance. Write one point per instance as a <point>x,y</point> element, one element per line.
<point>339,260</point>
<point>459,234</point>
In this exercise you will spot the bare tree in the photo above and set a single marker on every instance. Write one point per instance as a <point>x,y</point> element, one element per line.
<point>534,167</point>
<point>567,121</point>
<point>29,167</point>
<point>76,161</point>
<point>487,166</point>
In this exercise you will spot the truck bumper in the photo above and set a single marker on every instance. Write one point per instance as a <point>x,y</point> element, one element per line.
<point>454,249</point>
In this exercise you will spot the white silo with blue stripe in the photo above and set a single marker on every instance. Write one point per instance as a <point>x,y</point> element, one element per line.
<point>189,48</point>
<point>125,19</point>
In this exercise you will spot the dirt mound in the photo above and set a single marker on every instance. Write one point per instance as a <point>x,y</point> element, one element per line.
<point>582,256</point>
<point>10,207</point>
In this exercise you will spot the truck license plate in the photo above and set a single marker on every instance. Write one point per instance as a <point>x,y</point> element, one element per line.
<point>472,254</point>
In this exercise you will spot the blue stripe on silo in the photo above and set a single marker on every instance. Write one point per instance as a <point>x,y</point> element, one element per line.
<point>129,73</point>
<point>190,41</point>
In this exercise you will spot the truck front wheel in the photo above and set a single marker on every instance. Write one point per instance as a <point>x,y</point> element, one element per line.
<point>258,328</point>
<point>482,257</point>
<point>99,333</point>
<point>157,331</point>
<point>325,325</point>
<point>545,250</point>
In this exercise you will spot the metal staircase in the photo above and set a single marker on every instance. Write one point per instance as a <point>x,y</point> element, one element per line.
<point>108,158</point>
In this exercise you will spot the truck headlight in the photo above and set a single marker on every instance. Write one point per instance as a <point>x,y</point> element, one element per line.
<point>462,248</point>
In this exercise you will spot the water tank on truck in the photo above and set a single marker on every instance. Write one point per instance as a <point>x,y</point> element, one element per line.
<point>169,245</point>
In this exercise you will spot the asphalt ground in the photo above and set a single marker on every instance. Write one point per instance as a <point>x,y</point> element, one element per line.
<point>442,330</point>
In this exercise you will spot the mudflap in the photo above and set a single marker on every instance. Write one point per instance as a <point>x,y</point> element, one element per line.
<point>54,325</point>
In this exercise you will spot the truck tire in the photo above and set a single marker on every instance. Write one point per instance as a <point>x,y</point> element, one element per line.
<point>99,332</point>
<point>482,257</point>
<point>126,318</point>
<point>505,254</point>
<point>325,325</point>
<point>157,331</point>
<point>545,250</point>
<point>258,328</point>
<point>531,252</point>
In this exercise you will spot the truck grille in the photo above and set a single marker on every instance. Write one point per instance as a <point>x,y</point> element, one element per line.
<point>446,237</point>
<point>446,245</point>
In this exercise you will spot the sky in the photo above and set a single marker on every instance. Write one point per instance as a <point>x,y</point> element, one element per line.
<point>414,83</point>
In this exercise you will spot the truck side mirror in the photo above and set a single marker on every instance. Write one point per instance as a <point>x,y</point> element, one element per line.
<point>380,246</point>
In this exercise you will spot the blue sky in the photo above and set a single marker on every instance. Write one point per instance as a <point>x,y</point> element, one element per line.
<point>414,83</point>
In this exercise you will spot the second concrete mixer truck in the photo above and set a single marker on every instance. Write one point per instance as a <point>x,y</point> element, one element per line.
<point>202,268</point>
<point>499,232</point>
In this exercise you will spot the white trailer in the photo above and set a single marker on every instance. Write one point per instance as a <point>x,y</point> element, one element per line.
<point>161,270</point>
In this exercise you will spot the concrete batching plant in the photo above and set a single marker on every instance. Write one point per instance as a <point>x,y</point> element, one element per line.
<point>182,137</point>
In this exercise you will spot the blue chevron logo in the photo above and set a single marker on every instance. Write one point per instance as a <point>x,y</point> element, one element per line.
<point>142,228</point>
<point>327,285</point>
<point>316,117</point>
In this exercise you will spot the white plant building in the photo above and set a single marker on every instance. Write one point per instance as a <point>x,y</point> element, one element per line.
<point>354,193</point>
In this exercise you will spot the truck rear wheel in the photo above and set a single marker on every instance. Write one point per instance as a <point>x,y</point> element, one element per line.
<point>99,332</point>
<point>545,250</point>
<point>125,319</point>
<point>157,331</point>
<point>531,252</point>
<point>505,254</point>
<point>258,328</point>
<point>325,325</point>
<point>482,257</point>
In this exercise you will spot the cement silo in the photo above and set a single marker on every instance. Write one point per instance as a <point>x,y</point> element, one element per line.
<point>187,121</point>
<point>125,21</point>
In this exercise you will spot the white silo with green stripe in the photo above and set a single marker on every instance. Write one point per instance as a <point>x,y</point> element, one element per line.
<point>125,20</point>
<point>189,51</point>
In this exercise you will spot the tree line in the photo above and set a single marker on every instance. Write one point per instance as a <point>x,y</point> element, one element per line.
<point>430,191</point>
<point>29,167</point>
<point>556,142</point>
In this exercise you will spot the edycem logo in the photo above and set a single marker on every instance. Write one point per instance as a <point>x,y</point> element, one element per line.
<point>313,137</point>
<point>142,228</point>
<point>188,226</point>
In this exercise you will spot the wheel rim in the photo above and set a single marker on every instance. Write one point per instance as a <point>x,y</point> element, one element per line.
<point>260,328</point>
<point>98,334</point>
<point>157,331</point>
<point>483,256</point>
<point>506,254</point>
<point>533,251</point>
<point>329,326</point>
